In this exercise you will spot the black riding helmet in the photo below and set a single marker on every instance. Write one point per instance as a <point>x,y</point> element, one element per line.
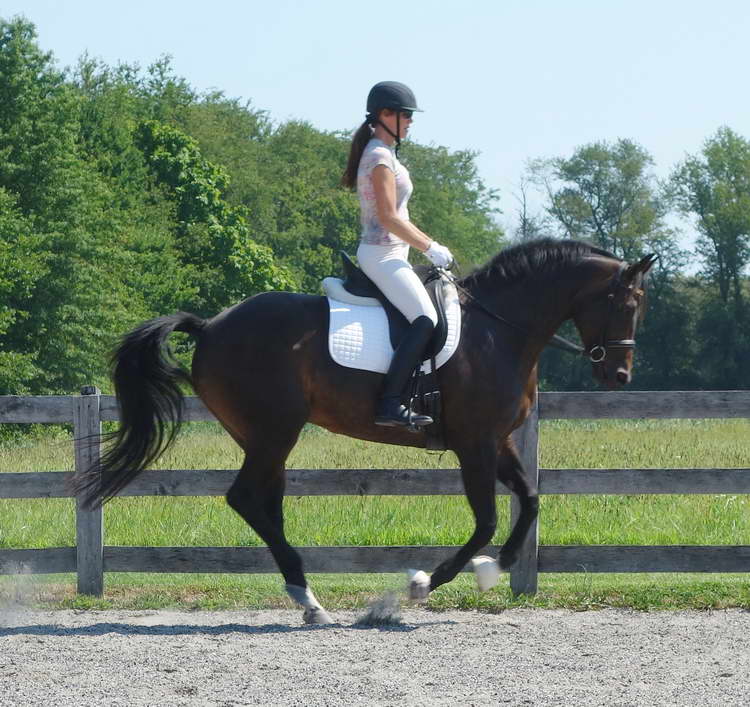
<point>394,95</point>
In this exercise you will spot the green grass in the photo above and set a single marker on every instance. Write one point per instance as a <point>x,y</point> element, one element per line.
<point>637,520</point>
<point>578,592</point>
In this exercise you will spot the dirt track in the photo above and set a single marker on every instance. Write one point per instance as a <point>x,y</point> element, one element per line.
<point>454,658</point>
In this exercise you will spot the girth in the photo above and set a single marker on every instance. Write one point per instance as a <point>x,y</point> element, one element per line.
<point>357,283</point>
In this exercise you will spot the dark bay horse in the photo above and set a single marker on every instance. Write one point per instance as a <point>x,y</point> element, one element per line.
<point>263,369</point>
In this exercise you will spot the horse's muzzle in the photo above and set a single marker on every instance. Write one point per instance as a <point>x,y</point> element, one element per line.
<point>612,379</point>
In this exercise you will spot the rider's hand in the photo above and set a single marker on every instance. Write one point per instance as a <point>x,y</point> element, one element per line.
<point>439,255</point>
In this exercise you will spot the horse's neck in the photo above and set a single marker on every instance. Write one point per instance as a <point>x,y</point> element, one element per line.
<point>540,306</point>
<point>535,312</point>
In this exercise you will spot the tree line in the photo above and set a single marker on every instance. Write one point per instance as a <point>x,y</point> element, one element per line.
<point>126,194</point>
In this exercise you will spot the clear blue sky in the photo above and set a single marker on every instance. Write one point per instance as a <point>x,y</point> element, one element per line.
<point>512,79</point>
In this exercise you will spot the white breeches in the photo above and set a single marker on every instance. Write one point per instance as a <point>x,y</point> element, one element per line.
<point>387,266</point>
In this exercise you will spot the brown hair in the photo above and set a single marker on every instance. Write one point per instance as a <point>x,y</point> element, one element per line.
<point>359,141</point>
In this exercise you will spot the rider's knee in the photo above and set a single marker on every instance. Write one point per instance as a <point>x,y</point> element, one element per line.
<point>424,322</point>
<point>432,314</point>
<point>427,312</point>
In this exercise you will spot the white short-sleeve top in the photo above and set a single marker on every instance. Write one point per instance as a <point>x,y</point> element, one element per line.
<point>376,152</point>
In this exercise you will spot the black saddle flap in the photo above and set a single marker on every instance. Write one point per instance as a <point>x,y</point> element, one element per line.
<point>357,283</point>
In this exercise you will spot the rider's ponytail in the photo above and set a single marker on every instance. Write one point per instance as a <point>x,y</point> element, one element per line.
<point>359,141</point>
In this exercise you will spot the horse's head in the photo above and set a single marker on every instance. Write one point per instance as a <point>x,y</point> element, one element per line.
<point>607,317</point>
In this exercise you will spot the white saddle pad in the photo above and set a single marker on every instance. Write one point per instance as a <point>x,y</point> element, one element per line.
<point>358,335</point>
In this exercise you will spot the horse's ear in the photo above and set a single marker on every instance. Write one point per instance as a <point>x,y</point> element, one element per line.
<point>642,266</point>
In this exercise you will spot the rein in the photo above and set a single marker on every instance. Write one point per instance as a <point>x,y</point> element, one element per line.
<point>596,354</point>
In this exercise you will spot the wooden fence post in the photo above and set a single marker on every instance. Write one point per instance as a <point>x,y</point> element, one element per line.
<point>524,573</point>
<point>87,429</point>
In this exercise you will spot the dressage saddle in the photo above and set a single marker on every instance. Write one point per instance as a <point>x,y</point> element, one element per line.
<point>357,283</point>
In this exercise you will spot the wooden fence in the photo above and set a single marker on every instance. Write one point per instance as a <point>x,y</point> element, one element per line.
<point>91,557</point>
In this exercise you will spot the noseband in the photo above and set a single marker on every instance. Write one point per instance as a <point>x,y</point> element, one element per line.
<point>598,352</point>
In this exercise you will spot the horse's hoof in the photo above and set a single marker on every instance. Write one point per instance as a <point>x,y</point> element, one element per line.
<point>487,572</point>
<point>419,585</point>
<point>316,615</point>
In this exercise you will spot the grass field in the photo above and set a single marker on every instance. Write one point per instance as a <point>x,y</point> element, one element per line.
<point>638,520</point>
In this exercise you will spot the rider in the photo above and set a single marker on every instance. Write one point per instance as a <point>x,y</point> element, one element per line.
<point>384,188</point>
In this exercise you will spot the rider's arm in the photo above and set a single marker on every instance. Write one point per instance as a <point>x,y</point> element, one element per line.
<point>384,186</point>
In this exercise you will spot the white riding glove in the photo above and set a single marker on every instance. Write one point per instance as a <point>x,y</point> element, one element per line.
<point>439,255</point>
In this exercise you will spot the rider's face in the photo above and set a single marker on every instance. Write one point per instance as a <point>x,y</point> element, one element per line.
<point>388,117</point>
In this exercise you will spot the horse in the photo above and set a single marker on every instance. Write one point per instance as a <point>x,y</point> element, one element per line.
<point>263,368</point>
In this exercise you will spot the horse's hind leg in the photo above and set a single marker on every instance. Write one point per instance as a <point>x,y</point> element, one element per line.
<point>510,472</point>
<point>257,495</point>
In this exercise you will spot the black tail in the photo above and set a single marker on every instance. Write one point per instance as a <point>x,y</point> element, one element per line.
<point>146,379</point>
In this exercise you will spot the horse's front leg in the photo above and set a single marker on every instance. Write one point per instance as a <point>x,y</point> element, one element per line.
<point>510,472</point>
<point>478,472</point>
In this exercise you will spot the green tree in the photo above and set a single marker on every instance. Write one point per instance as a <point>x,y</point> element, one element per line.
<point>295,203</point>
<point>606,194</point>
<point>212,236</point>
<point>113,102</point>
<point>73,301</point>
<point>230,133</point>
<point>452,203</point>
<point>714,189</point>
<point>19,272</point>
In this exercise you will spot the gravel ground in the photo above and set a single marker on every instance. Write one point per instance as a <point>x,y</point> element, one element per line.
<point>519,657</point>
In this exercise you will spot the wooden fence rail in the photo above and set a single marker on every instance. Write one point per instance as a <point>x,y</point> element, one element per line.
<point>90,558</point>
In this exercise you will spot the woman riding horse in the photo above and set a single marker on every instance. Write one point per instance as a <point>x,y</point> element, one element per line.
<point>263,368</point>
<point>384,187</point>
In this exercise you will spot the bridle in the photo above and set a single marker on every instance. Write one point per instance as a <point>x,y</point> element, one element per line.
<point>597,354</point>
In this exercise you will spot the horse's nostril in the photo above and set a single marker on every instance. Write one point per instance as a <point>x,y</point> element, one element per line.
<point>623,377</point>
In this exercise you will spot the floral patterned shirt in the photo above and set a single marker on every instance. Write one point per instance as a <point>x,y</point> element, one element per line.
<point>376,152</point>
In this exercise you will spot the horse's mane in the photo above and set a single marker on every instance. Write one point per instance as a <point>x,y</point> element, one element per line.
<point>542,257</point>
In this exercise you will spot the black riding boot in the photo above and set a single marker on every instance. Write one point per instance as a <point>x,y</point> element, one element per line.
<point>391,411</point>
